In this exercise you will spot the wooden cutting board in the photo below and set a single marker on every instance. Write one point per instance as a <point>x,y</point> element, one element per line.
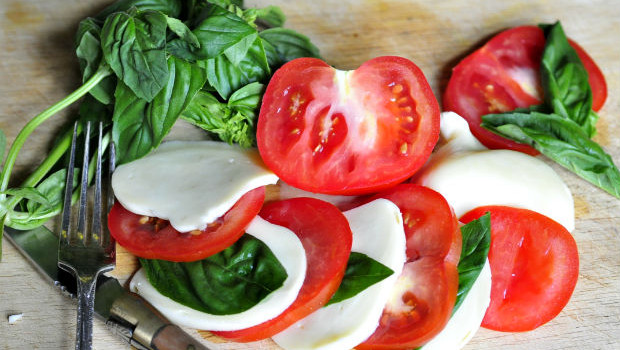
<point>38,67</point>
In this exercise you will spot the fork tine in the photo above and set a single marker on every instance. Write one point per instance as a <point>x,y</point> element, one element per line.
<point>81,228</point>
<point>106,240</point>
<point>66,212</point>
<point>96,229</point>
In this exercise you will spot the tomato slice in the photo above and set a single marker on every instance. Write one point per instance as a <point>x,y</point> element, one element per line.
<point>504,75</point>
<point>534,264</point>
<point>325,234</point>
<point>426,290</point>
<point>154,238</point>
<point>329,131</point>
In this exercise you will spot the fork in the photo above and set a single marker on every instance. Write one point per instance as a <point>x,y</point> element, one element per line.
<point>85,248</point>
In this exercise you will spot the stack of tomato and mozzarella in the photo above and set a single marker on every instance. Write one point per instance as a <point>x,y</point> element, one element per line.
<point>351,155</point>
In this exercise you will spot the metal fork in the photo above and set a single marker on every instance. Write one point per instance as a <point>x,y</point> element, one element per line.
<point>85,248</point>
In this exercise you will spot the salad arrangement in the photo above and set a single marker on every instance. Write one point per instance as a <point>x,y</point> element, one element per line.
<point>561,126</point>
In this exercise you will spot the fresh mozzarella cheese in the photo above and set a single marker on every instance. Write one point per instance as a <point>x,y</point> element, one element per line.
<point>377,229</point>
<point>285,191</point>
<point>189,183</point>
<point>467,319</point>
<point>286,247</point>
<point>469,176</point>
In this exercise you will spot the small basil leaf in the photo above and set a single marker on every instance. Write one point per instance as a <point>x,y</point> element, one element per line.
<point>271,15</point>
<point>563,141</point>
<point>247,100</point>
<point>475,249</point>
<point>228,282</point>
<point>170,8</point>
<point>89,54</point>
<point>179,28</point>
<point>288,45</point>
<point>362,272</point>
<point>134,46</point>
<point>140,126</point>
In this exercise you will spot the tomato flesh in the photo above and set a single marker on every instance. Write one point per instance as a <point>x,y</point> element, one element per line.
<point>153,238</point>
<point>329,131</point>
<point>534,264</point>
<point>326,237</point>
<point>425,292</point>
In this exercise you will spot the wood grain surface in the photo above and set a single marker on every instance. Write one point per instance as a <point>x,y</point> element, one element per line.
<point>38,67</point>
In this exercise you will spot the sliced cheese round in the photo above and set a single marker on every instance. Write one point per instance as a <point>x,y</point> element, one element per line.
<point>286,247</point>
<point>189,183</point>
<point>377,229</point>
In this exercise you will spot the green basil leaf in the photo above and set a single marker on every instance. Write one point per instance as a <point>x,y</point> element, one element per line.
<point>228,282</point>
<point>565,80</point>
<point>563,141</point>
<point>247,100</point>
<point>89,54</point>
<point>170,8</point>
<point>287,45</point>
<point>140,126</point>
<point>134,46</point>
<point>475,249</point>
<point>271,15</point>
<point>184,33</point>
<point>362,272</point>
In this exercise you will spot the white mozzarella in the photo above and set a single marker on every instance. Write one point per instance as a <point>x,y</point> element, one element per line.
<point>377,232</point>
<point>467,319</point>
<point>469,176</point>
<point>189,183</point>
<point>286,247</point>
<point>285,191</point>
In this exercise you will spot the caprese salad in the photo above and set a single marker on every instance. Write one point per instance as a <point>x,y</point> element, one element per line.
<point>344,229</point>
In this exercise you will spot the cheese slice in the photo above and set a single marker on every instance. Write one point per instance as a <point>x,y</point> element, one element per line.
<point>377,229</point>
<point>189,183</point>
<point>286,247</point>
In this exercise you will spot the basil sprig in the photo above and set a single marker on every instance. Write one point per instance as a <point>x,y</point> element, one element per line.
<point>229,282</point>
<point>562,127</point>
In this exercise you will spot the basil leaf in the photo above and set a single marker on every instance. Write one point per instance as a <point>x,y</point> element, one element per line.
<point>284,45</point>
<point>362,272</point>
<point>89,54</point>
<point>139,126</point>
<point>565,80</point>
<point>228,282</point>
<point>170,8</point>
<point>561,140</point>
<point>134,46</point>
<point>475,249</point>
<point>179,28</point>
<point>272,16</point>
<point>247,100</point>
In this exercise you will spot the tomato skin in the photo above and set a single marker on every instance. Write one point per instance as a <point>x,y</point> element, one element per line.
<point>328,131</point>
<point>430,276</point>
<point>147,241</point>
<point>326,237</point>
<point>535,265</point>
<point>504,75</point>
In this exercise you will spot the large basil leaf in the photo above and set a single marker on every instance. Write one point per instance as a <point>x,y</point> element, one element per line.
<point>474,251</point>
<point>283,45</point>
<point>563,141</point>
<point>362,272</point>
<point>134,46</point>
<point>139,126</point>
<point>171,8</point>
<point>565,80</point>
<point>228,282</point>
<point>89,54</point>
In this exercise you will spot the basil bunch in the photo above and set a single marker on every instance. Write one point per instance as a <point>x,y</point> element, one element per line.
<point>562,127</point>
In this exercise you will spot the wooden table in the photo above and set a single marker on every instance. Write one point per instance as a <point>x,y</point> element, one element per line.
<point>38,67</point>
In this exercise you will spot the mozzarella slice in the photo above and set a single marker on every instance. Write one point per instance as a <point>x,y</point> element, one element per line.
<point>189,183</point>
<point>285,191</point>
<point>469,176</point>
<point>467,319</point>
<point>287,248</point>
<point>377,232</point>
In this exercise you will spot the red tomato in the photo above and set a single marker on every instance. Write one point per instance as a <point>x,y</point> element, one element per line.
<point>154,238</point>
<point>329,131</point>
<point>504,75</point>
<point>534,264</point>
<point>428,285</point>
<point>325,234</point>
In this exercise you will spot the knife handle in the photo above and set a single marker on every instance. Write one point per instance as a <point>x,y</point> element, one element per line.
<point>171,337</point>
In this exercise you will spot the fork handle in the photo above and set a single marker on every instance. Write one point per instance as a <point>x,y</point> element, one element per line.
<point>86,303</point>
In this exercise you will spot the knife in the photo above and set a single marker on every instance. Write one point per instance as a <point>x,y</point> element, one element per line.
<point>125,314</point>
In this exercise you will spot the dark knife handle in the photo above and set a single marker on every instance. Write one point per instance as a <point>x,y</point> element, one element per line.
<point>171,337</point>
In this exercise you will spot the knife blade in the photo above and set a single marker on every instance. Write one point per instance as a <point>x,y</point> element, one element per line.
<point>125,314</point>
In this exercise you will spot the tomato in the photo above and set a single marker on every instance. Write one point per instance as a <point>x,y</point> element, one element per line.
<point>154,238</point>
<point>329,131</point>
<point>325,234</point>
<point>504,75</point>
<point>426,289</point>
<point>534,264</point>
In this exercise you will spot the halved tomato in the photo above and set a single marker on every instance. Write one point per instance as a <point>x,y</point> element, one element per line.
<point>154,238</point>
<point>329,131</point>
<point>326,237</point>
<point>425,292</point>
<point>534,264</point>
<point>504,75</point>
